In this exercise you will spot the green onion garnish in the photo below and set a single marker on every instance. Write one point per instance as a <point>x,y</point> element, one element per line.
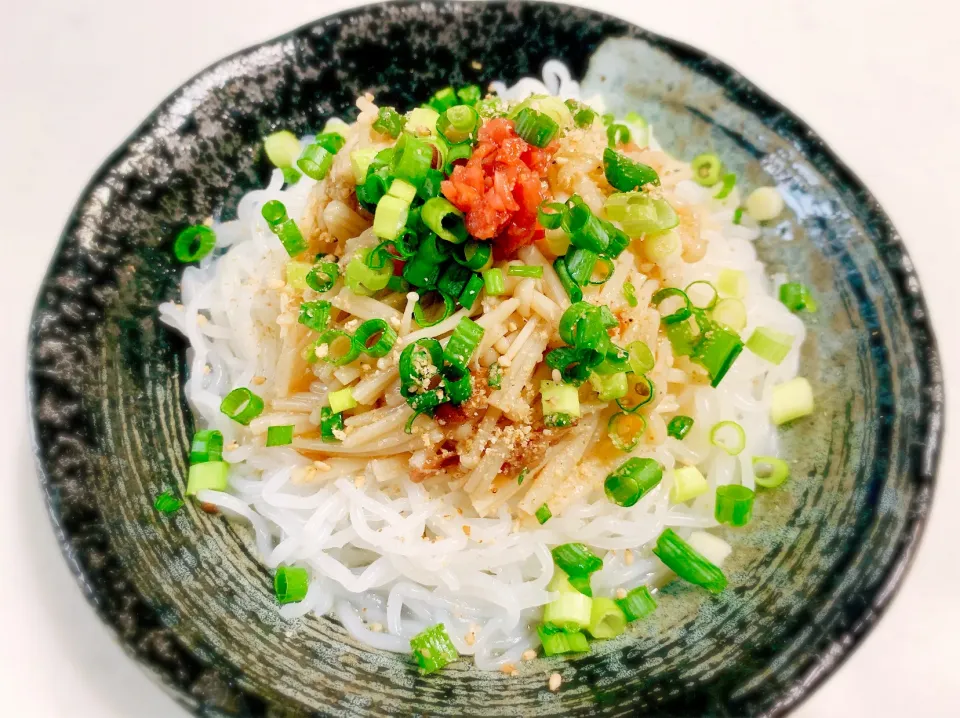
<point>315,315</point>
<point>556,641</point>
<point>641,358</point>
<point>543,514</point>
<point>207,445</point>
<point>391,216</point>
<point>734,505</point>
<point>469,94</point>
<point>430,313</point>
<point>443,99</point>
<point>679,557</point>
<point>636,476</point>
<point>315,161</point>
<point>707,169</point>
<point>209,475</point>
<point>625,430</point>
<point>477,256</point>
<point>433,648</point>
<point>703,291</point>
<point>732,283</point>
<point>282,148</point>
<point>639,394</point>
<point>797,298</point>
<point>167,503</point>
<point>275,214</point>
<point>375,337</point>
<point>458,124</point>
<point>280,435</point>
<point>525,270</point>
<point>290,584</point>
<point>571,611</point>
<point>606,619</point>
<point>626,175</point>
<point>729,180</point>
<point>731,313</point>
<point>361,278</point>
<point>453,280</point>
<point>493,282</point>
<point>769,472</point>
<point>457,387</point>
<point>580,263</point>
<point>559,399</point>
<point>716,352</point>
<point>688,483</point>
<point>290,175</point>
<point>679,427</point>
<point>630,294</point>
<point>323,276</point>
<point>463,343</point>
<point>330,424</point>
<point>738,215</point>
<point>471,291</point>
<point>558,420</point>
<point>576,559</point>
<point>412,159</point>
<point>194,243</point>
<point>389,122</point>
<point>421,272</point>
<point>419,363</point>
<point>495,377</point>
<point>331,141</point>
<point>609,386</point>
<point>242,405</point>
<point>536,128</point>
<point>572,289</point>
<point>729,436</point>
<point>637,604</point>
<point>445,220</point>
<point>341,348</point>
<point>683,312</point>
<point>769,344</point>
<point>341,400</point>
<point>550,214</point>
<point>791,400</point>
<point>617,135</point>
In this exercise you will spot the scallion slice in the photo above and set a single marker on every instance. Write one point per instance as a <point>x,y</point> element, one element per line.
<point>679,427</point>
<point>282,148</point>
<point>194,243</point>
<point>570,612</point>
<point>242,405</point>
<point>625,430</point>
<point>525,270</point>
<point>639,393</point>
<point>688,564</point>
<point>315,315</point>
<point>688,483</point>
<point>797,298</point>
<point>443,99</point>
<point>208,475</point>
<point>331,424</point>
<point>626,175</point>
<point>458,124</point>
<point>341,349</point>
<point>738,215</point>
<point>412,159</point>
<point>641,358</point>
<point>280,435</point>
<point>315,161</point>
<point>207,445</point>
<point>433,649</point>
<point>583,116</point>
<point>543,514</point>
<point>572,289</point>
<point>729,436</point>
<point>493,282</point>
<point>457,386</point>
<point>769,344</point>
<point>731,313</point>
<point>389,122</point>
<point>391,216</point>
<point>375,337</point>
<point>275,214</point>
<point>617,135</point>
<point>471,291</point>
<point>550,214</point>
<point>536,128</point>
<point>702,294</point>
<point>430,313</point>
<point>167,503</point>
<point>445,220</point>
<point>557,641</point>
<point>475,256</point>
<point>453,279</point>
<point>734,505</point>
<point>636,476</point>
<point>681,313</point>
<point>290,584</point>
<point>559,399</point>
<point>716,352</point>
<point>323,276</point>
<point>630,294</point>
<point>727,184</point>
<point>769,471</point>
<point>637,604</point>
<point>495,376</point>
<point>732,283</point>
<point>463,343</point>
<point>469,94</point>
<point>341,400</point>
<point>791,400</point>
<point>575,559</point>
<point>707,169</point>
<point>610,386</point>
<point>606,619</point>
<point>419,363</point>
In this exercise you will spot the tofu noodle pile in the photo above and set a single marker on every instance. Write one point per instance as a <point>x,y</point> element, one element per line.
<point>482,376</point>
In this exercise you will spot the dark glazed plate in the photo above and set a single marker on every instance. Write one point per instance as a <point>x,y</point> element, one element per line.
<point>187,598</point>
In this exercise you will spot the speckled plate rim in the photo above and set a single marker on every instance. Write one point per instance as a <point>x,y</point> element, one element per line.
<point>892,254</point>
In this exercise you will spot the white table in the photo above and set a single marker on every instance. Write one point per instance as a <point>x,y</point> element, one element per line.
<point>876,78</point>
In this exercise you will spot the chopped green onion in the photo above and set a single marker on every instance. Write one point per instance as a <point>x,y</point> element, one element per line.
<point>280,435</point>
<point>422,118</point>
<point>608,119</point>
<point>630,294</point>
<point>688,564</point>
<point>643,215</point>
<point>543,514</point>
<point>637,604</point>
<point>729,180</point>
<point>295,274</point>
<point>361,279</point>
<point>331,424</point>
<point>389,122</point>
<point>469,94</point>
<point>583,116</point>
<point>791,400</point>
<point>717,351</point>
<point>290,175</point>
<point>493,282</point>
<point>570,612</point>
<point>558,420</point>
<point>207,445</point>
<point>559,398</point>
<point>617,135</point>
<point>341,349</point>
<point>341,400</point>
<point>729,436</point>
<point>580,263</point>
<point>315,162</point>
<point>323,276</point>
<point>550,214</point>
<point>797,298</point>
<point>641,358</point>
<point>769,472</point>
<point>290,584</point>
<point>242,405</point>
<point>333,142</point>
<point>636,476</point>
<point>572,289</point>
<point>734,505</point>
<point>626,175</point>
<point>453,279</point>
<point>463,343</point>
<point>625,430</point>
<point>769,344</point>
<point>764,204</point>
<point>557,641</point>
<point>420,271</point>
<point>536,128</point>
<point>443,99</point>
<point>390,217</point>
<point>167,503</point>
<point>606,619</point>
<point>731,313</point>
<point>708,300</point>
<point>679,427</point>
<point>456,153</point>
<point>471,291</point>
<point>402,190</point>
<point>315,315</point>
<point>458,388</point>
<point>495,377</point>
<point>688,483</point>
<point>522,475</point>
<point>458,124</point>
<point>444,219</point>
<point>375,337</point>
<point>660,247</point>
<point>732,283</point>
<point>433,649</point>
<point>282,148</point>
<point>275,214</point>
<point>609,387</point>
<point>431,185</point>
<point>576,559</point>
<point>573,364</point>
<point>681,313</point>
<point>419,362</point>
<point>194,243</point>
<point>525,270</point>
<point>639,394</point>
<point>412,158</point>
<point>707,169</point>
<point>477,256</point>
<point>639,124</point>
<point>360,161</point>
<point>208,475</point>
<point>430,314</point>
<point>738,215</point>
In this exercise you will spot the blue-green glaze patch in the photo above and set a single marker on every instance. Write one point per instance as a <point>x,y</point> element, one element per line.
<point>186,596</point>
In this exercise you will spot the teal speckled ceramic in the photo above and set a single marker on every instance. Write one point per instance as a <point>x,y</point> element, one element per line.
<point>187,597</point>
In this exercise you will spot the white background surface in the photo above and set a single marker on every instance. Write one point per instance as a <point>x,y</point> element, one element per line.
<point>876,79</point>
